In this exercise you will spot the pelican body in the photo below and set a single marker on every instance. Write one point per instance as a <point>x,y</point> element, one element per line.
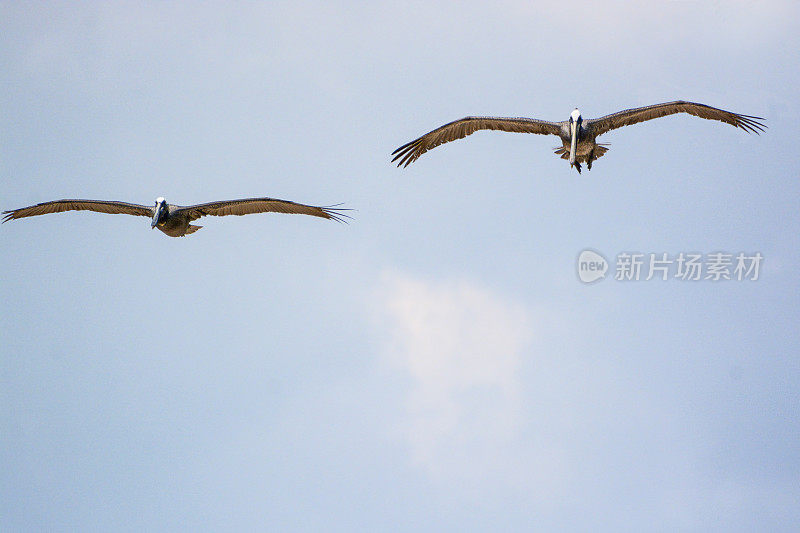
<point>578,136</point>
<point>175,220</point>
<point>170,221</point>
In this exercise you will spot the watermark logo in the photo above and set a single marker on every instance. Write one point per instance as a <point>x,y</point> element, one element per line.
<point>684,266</point>
<point>591,266</point>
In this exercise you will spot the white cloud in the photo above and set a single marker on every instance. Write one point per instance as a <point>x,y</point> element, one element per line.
<point>507,399</point>
<point>461,346</point>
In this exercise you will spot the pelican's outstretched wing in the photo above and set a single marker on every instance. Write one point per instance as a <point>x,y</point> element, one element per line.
<point>458,129</point>
<point>248,206</point>
<point>99,206</point>
<point>640,114</point>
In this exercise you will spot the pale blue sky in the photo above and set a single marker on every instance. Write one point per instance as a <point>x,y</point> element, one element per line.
<point>435,365</point>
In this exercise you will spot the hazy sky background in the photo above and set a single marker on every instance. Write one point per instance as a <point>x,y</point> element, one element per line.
<point>435,365</point>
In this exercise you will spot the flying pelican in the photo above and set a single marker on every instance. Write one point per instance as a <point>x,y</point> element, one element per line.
<point>173,220</point>
<point>578,136</point>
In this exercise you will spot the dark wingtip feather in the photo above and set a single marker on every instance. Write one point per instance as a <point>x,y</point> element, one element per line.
<point>752,124</point>
<point>403,156</point>
<point>406,153</point>
<point>403,153</point>
<point>400,148</point>
<point>405,146</point>
<point>337,213</point>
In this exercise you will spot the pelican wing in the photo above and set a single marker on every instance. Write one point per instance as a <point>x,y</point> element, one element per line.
<point>640,114</point>
<point>99,206</point>
<point>248,206</point>
<point>458,129</point>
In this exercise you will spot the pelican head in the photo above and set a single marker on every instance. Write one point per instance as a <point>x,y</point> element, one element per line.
<point>159,211</point>
<point>574,128</point>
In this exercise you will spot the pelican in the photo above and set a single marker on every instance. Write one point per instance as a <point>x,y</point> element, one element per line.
<point>578,136</point>
<point>174,220</point>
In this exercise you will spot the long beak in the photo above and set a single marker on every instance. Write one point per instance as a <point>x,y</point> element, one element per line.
<point>156,216</point>
<point>573,147</point>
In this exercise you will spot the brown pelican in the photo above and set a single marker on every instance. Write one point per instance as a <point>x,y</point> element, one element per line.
<point>578,136</point>
<point>173,220</point>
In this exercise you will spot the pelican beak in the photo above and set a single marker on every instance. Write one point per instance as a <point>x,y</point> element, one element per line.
<point>159,208</point>
<point>573,147</point>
